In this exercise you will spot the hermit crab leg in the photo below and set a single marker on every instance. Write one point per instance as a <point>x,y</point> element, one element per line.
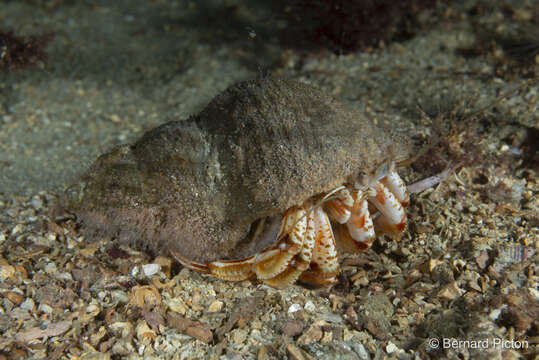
<point>396,185</point>
<point>275,265</point>
<point>360,224</point>
<point>393,216</point>
<point>339,208</point>
<point>193,265</point>
<point>300,262</point>
<point>275,259</point>
<point>324,265</point>
<point>231,270</point>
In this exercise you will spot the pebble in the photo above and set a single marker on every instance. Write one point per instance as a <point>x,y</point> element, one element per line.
<point>125,328</point>
<point>151,269</point>
<point>144,333</point>
<point>331,317</point>
<point>50,268</point>
<point>36,202</point>
<point>295,352</point>
<point>118,296</point>
<point>44,308</point>
<point>309,306</point>
<point>327,338</point>
<point>14,297</point>
<point>264,353</point>
<point>166,264</point>
<point>239,336</point>
<point>451,291</point>
<point>216,306</point>
<point>135,271</point>
<point>294,308</point>
<point>28,304</point>
<point>361,351</point>
<point>177,305</point>
<point>17,229</point>
<point>391,348</point>
<point>534,293</point>
<point>95,356</point>
<point>313,334</point>
<point>494,314</point>
<point>292,328</point>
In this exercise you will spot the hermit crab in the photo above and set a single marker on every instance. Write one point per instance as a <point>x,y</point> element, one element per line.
<point>271,180</point>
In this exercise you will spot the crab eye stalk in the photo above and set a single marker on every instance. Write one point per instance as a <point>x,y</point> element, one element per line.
<point>362,180</point>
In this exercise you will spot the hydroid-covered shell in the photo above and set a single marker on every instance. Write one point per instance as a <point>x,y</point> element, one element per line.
<point>196,186</point>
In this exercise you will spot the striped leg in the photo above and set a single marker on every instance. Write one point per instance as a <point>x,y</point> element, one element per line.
<point>392,217</point>
<point>275,259</point>
<point>358,233</point>
<point>231,270</point>
<point>299,262</point>
<point>396,185</point>
<point>270,262</point>
<point>339,209</point>
<point>324,265</point>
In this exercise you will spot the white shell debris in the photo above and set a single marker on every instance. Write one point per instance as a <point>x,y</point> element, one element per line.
<point>309,306</point>
<point>151,269</point>
<point>294,308</point>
